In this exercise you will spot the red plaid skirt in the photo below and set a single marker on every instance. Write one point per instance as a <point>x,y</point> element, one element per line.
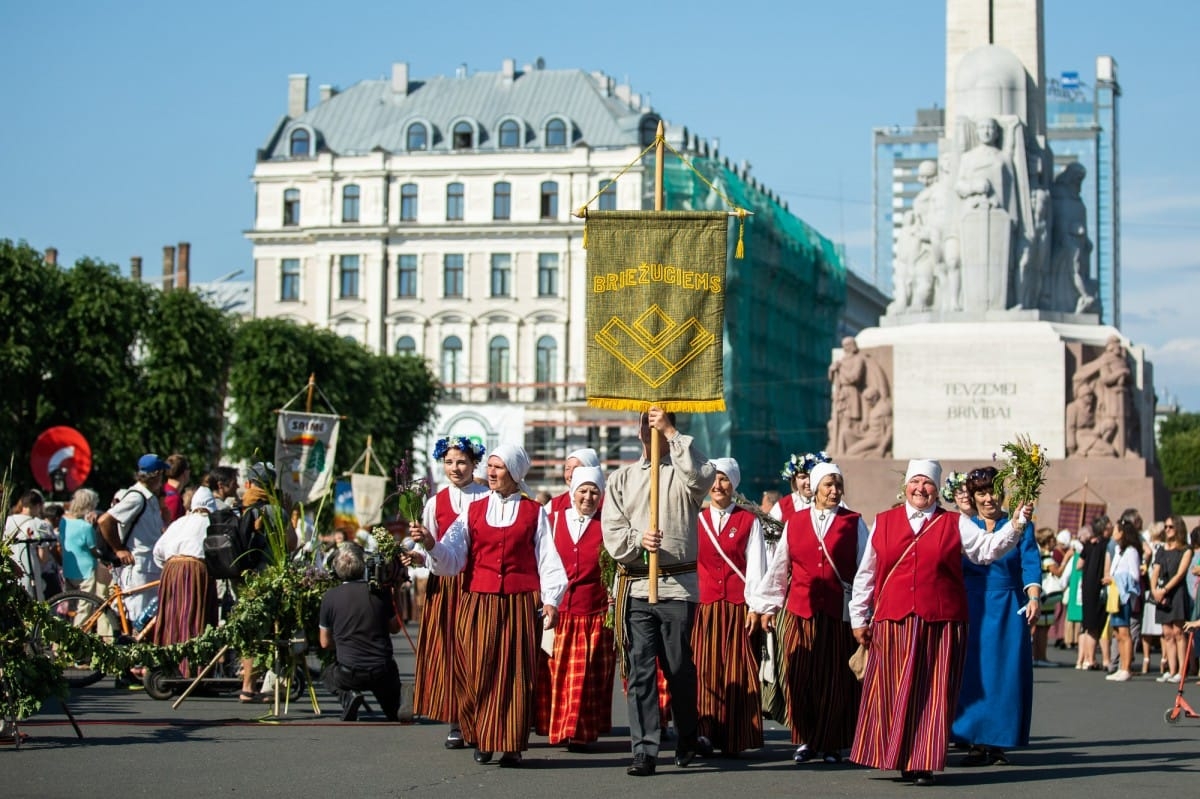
<point>576,695</point>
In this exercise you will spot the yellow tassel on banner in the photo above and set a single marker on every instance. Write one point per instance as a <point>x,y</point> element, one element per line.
<point>675,406</point>
<point>585,233</point>
<point>740,250</point>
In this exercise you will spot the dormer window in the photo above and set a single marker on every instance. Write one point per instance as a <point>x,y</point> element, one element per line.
<point>556,133</point>
<point>510,134</point>
<point>463,136</point>
<point>417,137</point>
<point>299,143</point>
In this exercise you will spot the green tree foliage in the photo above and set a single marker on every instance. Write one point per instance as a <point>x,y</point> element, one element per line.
<point>1179,456</point>
<point>388,397</point>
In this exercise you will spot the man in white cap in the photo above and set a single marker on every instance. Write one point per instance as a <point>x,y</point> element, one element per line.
<point>658,633</point>
<point>132,527</point>
<point>909,606</point>
<point>580,457</point>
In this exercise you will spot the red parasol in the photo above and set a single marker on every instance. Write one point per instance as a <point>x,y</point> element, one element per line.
<point>62,448</point>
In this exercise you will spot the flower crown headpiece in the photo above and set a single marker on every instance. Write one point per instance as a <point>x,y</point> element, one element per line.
<point>954,481</point>
<point>461,443</point>
<point>803,464</point>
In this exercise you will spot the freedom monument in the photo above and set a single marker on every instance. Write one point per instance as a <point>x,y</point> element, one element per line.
<point>994,330</point>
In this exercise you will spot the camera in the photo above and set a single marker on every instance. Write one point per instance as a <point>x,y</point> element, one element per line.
<point>383,573</point>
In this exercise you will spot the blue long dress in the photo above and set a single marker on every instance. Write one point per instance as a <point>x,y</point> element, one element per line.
<point>995,704</point>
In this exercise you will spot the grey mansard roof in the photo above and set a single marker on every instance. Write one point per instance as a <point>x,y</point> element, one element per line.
<point>371,115</point>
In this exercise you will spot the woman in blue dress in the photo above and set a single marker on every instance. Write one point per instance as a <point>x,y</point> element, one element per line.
<point>995,703</point>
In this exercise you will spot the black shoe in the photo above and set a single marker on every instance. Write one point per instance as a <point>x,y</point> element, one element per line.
<point>454,739</point>
<point>832,758</point>
<point>923,778</point>
<point>803,754</point>
<point>510,760</point>
<point>350,712</point>
<point>642,766</point>
<point>684,755</point>
<point>578,747</point>
<point>704,747</point>
<point>997,757</point>
<point>482,757</point>
<point>978,756</point>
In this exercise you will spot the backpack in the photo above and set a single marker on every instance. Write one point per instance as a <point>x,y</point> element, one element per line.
<point>104,553</point>
<point>231,546</point>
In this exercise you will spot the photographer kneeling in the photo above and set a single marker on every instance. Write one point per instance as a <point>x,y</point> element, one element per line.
<point>357,620</point>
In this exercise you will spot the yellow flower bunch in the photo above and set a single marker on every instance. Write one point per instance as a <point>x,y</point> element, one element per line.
<point>1022,473</point>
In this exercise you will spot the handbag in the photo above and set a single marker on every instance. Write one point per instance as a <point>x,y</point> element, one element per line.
<point>858,661</point>
<point>1112,599</point>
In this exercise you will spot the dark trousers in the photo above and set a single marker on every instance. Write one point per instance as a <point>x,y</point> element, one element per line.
<point>383,682</point>
<point>661,634</point>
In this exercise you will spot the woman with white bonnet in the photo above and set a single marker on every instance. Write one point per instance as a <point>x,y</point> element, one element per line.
<point>580,457</point>
<point>805,595</point>
<point>504,548</point>
<point>575,702</point>
<point>910,609</point>
<point>187,595</point>
<point>437,652</point>
<point>731,556</point>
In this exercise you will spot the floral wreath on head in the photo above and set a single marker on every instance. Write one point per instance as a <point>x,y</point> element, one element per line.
<point>803,464</point>
<point>461,443</point>
<point>954,482</point>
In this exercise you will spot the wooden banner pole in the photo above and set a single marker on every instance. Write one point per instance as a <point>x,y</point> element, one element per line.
<point>312,385</point>
<point>660,152</point>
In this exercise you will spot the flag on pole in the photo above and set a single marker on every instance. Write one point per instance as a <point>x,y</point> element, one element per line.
<point>656,309</point>
<point>305,444</point>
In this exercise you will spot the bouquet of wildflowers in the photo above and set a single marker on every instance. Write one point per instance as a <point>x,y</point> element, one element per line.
<point>954,481</point>
<point>772,528</point>
<point>412,492</point>
<point>1022,473</point>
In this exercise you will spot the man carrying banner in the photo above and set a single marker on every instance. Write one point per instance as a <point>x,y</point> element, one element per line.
<point>653,633</point>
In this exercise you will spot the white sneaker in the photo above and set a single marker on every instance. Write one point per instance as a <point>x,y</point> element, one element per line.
<point>1173,678</point>
<point>1164,677</point>
<point>1119,676</point>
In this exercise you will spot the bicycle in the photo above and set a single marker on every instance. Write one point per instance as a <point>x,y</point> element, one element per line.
<point>103,617</point>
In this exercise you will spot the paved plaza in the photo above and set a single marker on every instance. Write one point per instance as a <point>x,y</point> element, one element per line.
<point>1091,738</point>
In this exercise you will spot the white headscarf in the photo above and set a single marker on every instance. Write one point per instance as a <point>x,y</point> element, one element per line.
<point>203,499</point>
<point>516,460</point>
<point>820,472</point>
<point>586,474</point>
<point>728,467</point>
<point>927,468</point>
<point>586,457</point>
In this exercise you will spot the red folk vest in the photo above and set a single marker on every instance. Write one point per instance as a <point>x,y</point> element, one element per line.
<point>814,587</point>
<point>928,582</point>
<point>718,582</point>
<point>787,507</point>
<point>444,512</point>
<point>558,505</point>
<point>585,594</point>
<point>503,560</point>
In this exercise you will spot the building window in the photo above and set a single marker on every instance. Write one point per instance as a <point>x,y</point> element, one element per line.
<point>291,207</point>
<point>454,202</point>
<point>408,202</point>
<point>299,143</point>
<point>608,196</point>
<point>556,133</point>
<point>648,130</point>
<point>452,276</point>
<point>405,345</point>
<point>510,134</point>
<point>501,275</point>
<point>549,200</point>
<point>451,357</point>
<point>417,137</point>
<point>406,276</point>
<point>289,280</point>
<point>498,369</point>
<point>547,368</point>
<point>348,277</point>
<point>350,196</point>
<point>463,136</point>
<point>502,201</point>
<point>547,274</point>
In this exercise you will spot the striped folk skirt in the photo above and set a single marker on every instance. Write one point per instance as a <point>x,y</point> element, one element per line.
<point>575,698</point>
<point>728,698</point>
<point>433,695</point>
<point>822,693</point>
<point>187,602</point>
<point>497,645</point>
<point>913,675</point>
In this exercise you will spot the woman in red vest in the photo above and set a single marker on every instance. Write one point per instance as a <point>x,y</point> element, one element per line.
<point>730,559</point>
<point>910,608</point>
<point>504,548</point>
<point>797,472</point>
<point>433,694</point>
<point>807,585</point>
<point>575,702</point>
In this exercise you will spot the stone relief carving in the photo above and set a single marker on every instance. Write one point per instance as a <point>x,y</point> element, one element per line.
<point>1087,437</point>
<point>919,262</point>
<point>1109,379</point>
<point>861,421</point>
<point>1072,290</point>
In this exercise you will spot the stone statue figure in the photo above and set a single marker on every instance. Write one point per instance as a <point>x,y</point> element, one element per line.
<point>919,245</point>
<point>1033,253</point>
<point>861,398</point>
<point>875,437</point>
<point>1071,287</point>
<point>1088,436</point>
<point>988,218</point>
<point>1111,379</point>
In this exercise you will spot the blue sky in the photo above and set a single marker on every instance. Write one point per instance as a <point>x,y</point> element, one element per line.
<point>130,125</point>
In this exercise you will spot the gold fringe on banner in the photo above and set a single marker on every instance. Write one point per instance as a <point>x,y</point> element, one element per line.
<point>674,406</point>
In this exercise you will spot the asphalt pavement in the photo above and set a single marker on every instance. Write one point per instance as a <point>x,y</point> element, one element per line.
<point>1091,738</point>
